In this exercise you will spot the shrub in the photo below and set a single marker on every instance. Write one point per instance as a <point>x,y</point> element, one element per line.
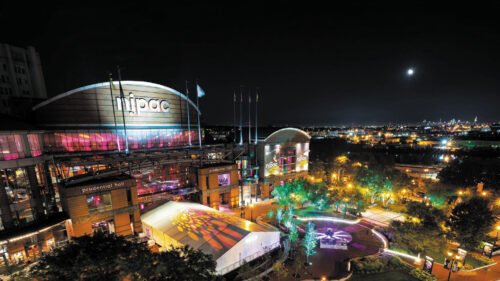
<point>377,264</point>
<point>395,262</point>
<point>422,275</point>
<point>468,267</point>
<point>481,258</point>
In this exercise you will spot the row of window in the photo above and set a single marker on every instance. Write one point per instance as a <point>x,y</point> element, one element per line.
<point>19,69</point>
<point>97,140</point>
<point>4,79</point>
<point>11,146</point>
<point>100,140</point>
<point>5,90</point>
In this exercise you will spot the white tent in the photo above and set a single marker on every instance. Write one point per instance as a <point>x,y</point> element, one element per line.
<point>229,239</point>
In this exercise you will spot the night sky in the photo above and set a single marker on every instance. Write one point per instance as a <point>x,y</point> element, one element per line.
<point>314,65</point>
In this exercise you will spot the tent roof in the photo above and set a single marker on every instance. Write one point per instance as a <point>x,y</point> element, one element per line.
<point>200,227</point>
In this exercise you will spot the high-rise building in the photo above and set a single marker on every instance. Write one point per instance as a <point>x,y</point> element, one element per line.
<point>21,76</point>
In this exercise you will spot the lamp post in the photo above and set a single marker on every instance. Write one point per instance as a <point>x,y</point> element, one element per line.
<point>251,212</point>
<point>453,260</point>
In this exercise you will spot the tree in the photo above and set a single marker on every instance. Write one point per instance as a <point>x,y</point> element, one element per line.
<point>282,194</point>
<point>280,270</point>
<point>470,171</point>
<point>471,221</point>
<point>110,257</point>
<point>310,240</point>
<point>293,234</point>
<point>279,215</point>
<point>183,263</point>
<point>288,218</point>
<point>440,194</point>
<point>414,238</point>
<point>422,231</point>
<point>298,264</point>
<point>428,216</point>
<point>270,214</point>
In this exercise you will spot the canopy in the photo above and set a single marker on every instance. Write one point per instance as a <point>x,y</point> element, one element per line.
<point>229,239</point>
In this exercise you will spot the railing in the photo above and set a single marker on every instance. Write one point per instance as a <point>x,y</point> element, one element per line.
<point>247,259</point>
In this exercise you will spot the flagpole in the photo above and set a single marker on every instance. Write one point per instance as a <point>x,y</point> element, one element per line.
<point>122,97</point>
<point>241,116</point>
<point>198,106</point>
<point>187,105</point>
<point>234,116</point>
<point>113,106</point>
<point>256,112</point>
<point>249,116</point>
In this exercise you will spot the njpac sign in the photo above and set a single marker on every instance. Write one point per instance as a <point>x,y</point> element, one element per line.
<point>136,105</point>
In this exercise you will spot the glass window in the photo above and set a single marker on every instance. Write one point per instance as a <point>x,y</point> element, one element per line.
<point>34,145</point>
<point>99,203</point>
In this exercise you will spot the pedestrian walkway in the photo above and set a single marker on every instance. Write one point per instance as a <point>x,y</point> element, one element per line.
<point>382,216</point>
<point>487,274</point>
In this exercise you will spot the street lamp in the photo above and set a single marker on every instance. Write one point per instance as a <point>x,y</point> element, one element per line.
<point>251,212</point>
<point>453,260</point>
<point>451,265</point>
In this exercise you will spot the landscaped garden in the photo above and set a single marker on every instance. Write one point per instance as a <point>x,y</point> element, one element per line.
<point>387,268</point>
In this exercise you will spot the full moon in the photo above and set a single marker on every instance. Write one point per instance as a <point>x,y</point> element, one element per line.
<point>410,71</point>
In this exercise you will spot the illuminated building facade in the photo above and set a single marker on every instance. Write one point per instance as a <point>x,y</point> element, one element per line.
<point>219,185</point>
<point>282,156</point>
<point>106,204</point>
<point>151,135</point>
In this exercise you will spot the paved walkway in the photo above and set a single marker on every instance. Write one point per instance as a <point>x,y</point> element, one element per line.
<point>488,274</point>
<point>382,215</point>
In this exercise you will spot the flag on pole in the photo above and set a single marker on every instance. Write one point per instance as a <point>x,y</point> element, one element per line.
<point>200,91</point>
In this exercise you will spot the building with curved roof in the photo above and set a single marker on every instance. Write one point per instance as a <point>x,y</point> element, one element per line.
<point>150,133</point>
<point>282,156</point>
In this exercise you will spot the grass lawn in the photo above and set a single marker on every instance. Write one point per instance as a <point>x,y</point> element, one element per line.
<point>386,276</point>
<point>310,211</point>
<point>474,262</point>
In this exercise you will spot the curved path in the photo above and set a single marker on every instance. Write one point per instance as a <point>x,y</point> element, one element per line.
<point>331,263</point>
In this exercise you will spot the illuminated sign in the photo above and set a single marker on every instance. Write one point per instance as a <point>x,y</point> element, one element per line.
<point>224,179</point>
<point>102,187</point>
<point>428,264</point>
<point>271,159</point>
<point>284,160</point>
<point>302,163</point>
<point>137,105</point>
